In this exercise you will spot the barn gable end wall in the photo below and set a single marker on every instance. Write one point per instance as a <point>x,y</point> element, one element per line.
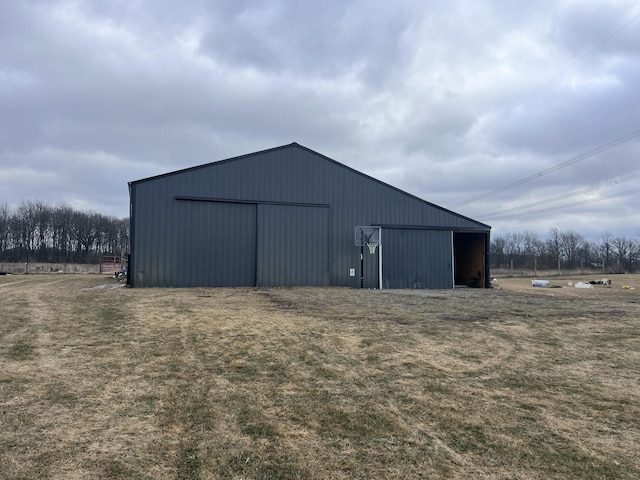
<point>289,196</point>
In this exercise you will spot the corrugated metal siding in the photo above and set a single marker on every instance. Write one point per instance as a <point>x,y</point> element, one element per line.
<point>417,258</point>
<point>293,245</point>
<point>217,245</point>
<point>293,175</point>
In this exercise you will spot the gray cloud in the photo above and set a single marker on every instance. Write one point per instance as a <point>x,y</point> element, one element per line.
<point>442,99</point>
<point>324,39</point>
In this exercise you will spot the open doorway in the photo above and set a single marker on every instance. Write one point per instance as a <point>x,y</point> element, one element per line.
<point>469,250</point>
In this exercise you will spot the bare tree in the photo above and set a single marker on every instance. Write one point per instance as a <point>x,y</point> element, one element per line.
<point>553,245</point>
<point>24,228</point>
<point>63,216</point>
<point>605,245</point>
<point>623,248</point>
<point>84,234</point>
<point>43,218</point>
<point>123,235</point>
<point>589,253</point>
<point>571,247</point>
<point>533,248</point>
<point>498,251</point>
<point>5,217</point>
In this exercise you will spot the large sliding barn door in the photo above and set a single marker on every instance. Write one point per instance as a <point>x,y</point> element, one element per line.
<point>233,244</point>
<point>217,245</point>
<point>416,258</point>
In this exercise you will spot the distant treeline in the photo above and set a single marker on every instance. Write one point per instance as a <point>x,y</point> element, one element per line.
<point>566,251</point>
<point>37,232</point>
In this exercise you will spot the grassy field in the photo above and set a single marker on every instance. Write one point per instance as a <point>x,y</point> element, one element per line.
<point>313,383</point>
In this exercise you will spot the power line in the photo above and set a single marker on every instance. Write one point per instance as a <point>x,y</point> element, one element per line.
<point>582,202</point>
<point>558,75</point>
<point>575,159</point>
<point>571,161</point>
<point>565,195</point>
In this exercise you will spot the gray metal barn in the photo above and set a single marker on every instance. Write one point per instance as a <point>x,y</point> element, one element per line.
<point>286,216</point>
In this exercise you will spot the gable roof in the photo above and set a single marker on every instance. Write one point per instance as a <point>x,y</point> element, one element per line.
<point>313,152</point>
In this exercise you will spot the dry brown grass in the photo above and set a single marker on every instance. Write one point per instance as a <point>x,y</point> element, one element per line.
<point>510,383</point>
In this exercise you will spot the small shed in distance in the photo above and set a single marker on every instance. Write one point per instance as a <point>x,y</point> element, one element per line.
<point>286,217</point>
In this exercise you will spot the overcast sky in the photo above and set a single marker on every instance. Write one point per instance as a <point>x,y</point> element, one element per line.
<point>452,101</point>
